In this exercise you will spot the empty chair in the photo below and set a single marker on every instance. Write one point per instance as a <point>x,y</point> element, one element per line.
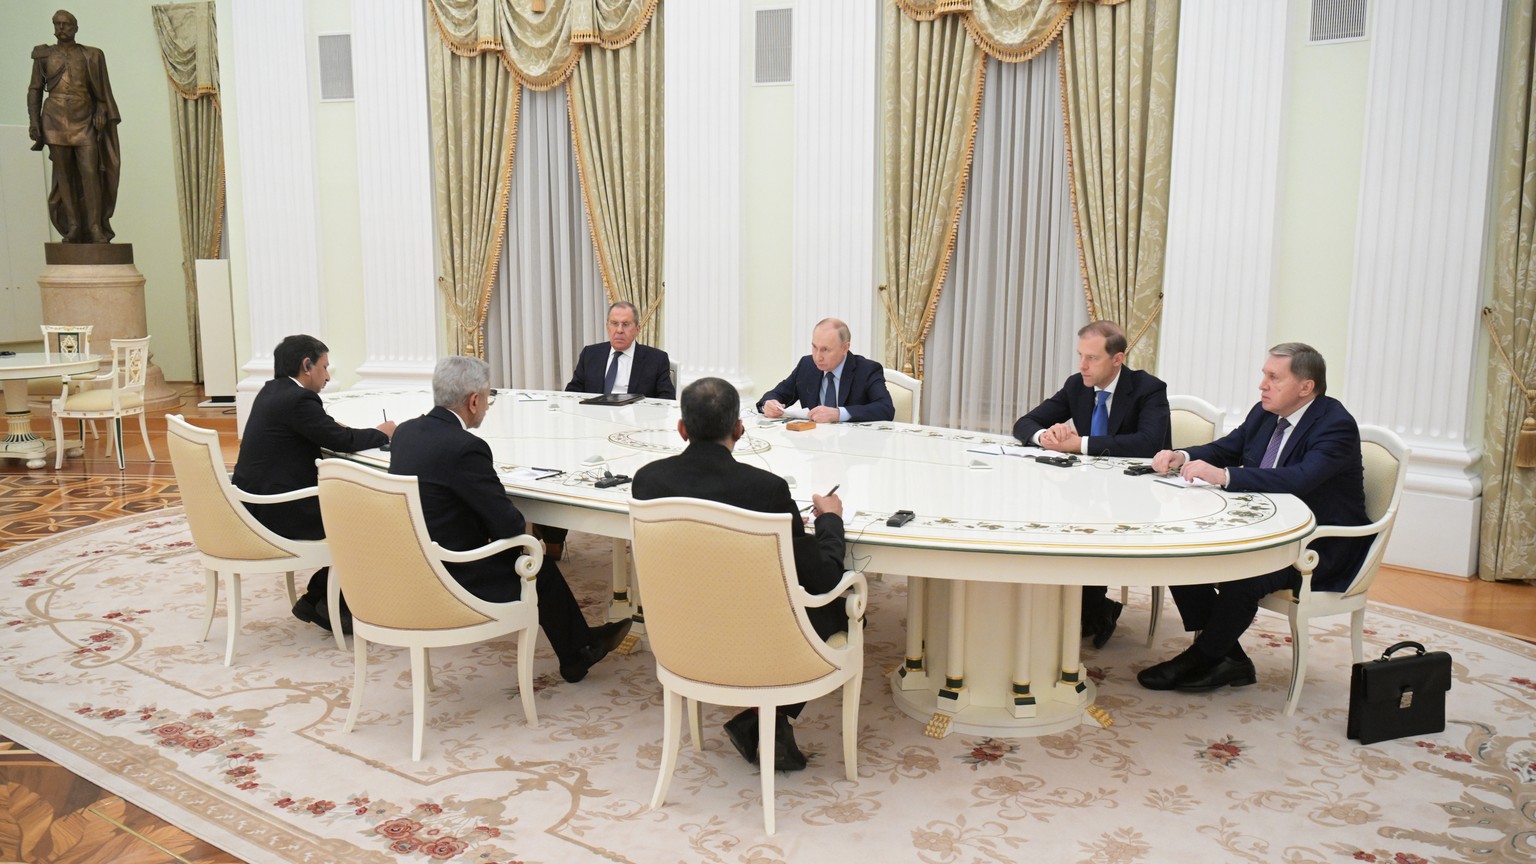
<point>123,396</point>
<point>400,594</point>
<point>907,396</point>
<point>725,617</point>
<point>229,540</point>
<point>1386,465</point>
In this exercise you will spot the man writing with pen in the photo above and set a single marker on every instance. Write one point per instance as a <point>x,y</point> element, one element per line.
<point>711,424</point>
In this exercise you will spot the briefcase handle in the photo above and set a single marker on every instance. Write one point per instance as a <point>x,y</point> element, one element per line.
<point>1417,646</point>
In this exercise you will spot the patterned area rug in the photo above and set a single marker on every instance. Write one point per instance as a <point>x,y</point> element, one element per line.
<point>103,673</point>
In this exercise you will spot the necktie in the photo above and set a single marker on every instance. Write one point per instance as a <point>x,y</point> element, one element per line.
<point>829,390</point>
<point>613,373</point>
<point>1272,452</point>
<point>1100,424</point>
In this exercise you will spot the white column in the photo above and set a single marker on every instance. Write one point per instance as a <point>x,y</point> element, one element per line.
<point>1222,226</point>
<point>1424,187</point>
<point>277,178</point>
<point>704,214</point>
<point>394,173</point>
<point>835,62</point>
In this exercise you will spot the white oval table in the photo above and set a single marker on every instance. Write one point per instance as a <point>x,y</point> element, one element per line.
<point>994,556</point>
<point>20,441</point>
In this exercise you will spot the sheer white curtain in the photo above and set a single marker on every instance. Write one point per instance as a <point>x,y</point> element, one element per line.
<point>1004,334</point>
<point>548,301</point>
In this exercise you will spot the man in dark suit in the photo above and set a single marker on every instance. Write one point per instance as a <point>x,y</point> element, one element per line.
<point>830,384</point>
<point>1106,409</point>
<point>283,436</point>
<point>465,506</point>
<point>1297,440</point>
<point>706,469</point>
<point>621,365</point>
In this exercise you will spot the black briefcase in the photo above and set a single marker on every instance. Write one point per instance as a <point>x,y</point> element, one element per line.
<point>1399,696</point>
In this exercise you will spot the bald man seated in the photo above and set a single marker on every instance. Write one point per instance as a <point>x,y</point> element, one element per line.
<point>831,384</point>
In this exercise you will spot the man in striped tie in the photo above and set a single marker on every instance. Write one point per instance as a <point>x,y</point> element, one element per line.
<point>1106,409</point>
<point>1297,440</point>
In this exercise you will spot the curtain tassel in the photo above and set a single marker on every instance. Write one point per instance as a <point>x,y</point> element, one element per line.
<point>1525,444</point>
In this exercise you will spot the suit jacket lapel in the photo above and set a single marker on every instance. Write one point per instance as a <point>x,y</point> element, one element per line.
<point>1300,432</point>
<point>1121,401</point>
<point>845,385</point>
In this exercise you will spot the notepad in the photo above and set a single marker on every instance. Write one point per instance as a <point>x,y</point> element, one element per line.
<point>530,397</point>
<point>1005,450</point>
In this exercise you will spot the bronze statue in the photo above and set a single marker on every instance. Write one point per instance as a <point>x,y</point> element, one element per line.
<point>78,122</point>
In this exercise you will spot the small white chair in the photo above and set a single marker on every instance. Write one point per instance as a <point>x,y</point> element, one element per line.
<point>64,341</point>
<point>1386,465</point>
<point>906,395</point>
<point>399,592</point>
<point>726,619</point>
<point>124,396</point>
<point>1194,421</point>
<point>229,539</point>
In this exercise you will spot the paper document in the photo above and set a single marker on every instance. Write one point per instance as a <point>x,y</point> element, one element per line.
<point>1181,482</point>
<point>526,475</point>
<point>1005,450</point>
<point>530,397</point>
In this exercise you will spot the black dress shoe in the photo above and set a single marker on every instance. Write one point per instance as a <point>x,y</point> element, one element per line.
<point>604,640</point>
<point>786,753</point>
<point>308,611</point>
<point>1167,674</point>
<point>323,609</point>
<point>1228,670</point>
<point>742,732</point>
<point>1106,622</point>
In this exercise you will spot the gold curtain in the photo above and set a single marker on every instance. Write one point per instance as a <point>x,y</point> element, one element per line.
<point>933,82</point>
<point>616,124</point>
<point>484,53</point>
<point>474,104</point>
<point>1508,540</point>
<point>539,48</point>
<point>189,51</point>
<point>1010,30</point>
<point>1117,71</point>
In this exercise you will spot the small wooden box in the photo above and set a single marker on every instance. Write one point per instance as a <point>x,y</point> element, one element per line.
<point>799,425</point>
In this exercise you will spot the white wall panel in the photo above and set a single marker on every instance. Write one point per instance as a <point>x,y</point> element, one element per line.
<point>704,214</point>
<point>1413,359</point>
<point>394,167</point>
<point>277,166</point>
<point>836,44</point>
<point>1222,225</point>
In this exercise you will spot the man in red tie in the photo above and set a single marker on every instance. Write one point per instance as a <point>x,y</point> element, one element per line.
<point>1297,440</point>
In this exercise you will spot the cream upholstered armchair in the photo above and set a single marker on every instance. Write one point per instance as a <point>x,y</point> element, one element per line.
<point>726,619</point>
<point>63,341</point>
<point>1386,465</point>
<point>906,394</point>
<point>1193,421</point>
<point>122,397</point>
<point>228,538</point>
<point>393,577</point>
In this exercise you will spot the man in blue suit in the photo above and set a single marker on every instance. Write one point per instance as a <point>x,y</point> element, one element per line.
<point>621,365</point>
<point>830,384</point>
<point>1106,409</point>
<point>1297,440</point>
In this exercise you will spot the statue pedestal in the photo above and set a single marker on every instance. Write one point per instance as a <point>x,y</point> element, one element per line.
<point>97,284</point>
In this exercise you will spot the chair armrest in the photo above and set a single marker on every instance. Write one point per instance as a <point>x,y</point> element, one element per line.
<point>857,602</point>
<point>277,498</point>
<point>1306,558</point>
<point>527,567</point>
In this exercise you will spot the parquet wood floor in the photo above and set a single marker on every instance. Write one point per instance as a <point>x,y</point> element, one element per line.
<point>49,814</point>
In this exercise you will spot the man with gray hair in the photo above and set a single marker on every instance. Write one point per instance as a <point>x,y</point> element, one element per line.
<point>622,365</point>
<point>465,507</point>
<point>1299,441</point>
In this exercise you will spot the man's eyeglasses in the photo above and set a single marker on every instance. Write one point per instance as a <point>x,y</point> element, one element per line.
<point>490,398</point>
